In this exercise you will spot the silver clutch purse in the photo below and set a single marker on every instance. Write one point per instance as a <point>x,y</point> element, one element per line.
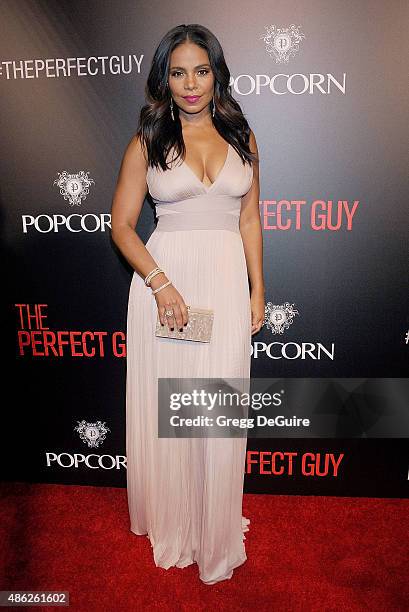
<point>199,327</point>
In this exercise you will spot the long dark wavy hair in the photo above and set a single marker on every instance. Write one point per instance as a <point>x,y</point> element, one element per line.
<point>157,130</point>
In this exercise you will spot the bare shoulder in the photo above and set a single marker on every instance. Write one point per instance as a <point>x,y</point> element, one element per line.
<point>131,187</point>
<point>136,151</point>
<point>254,149</point>
<point>253,142</point>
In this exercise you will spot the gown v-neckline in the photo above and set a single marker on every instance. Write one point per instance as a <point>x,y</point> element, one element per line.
<point>209,187</point>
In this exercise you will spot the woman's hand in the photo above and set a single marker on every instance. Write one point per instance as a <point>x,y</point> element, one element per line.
<point>257,310</point>
<point>169,298</point>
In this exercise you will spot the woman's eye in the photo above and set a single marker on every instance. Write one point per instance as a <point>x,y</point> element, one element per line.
<point>178,72</point>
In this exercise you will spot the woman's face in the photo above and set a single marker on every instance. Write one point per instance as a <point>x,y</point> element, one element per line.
<point>190,75</point>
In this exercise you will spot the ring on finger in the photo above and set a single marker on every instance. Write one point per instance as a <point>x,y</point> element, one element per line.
<point>169,313</point>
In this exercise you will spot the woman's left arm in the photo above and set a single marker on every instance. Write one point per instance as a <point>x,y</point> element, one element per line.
<point>252,236</point>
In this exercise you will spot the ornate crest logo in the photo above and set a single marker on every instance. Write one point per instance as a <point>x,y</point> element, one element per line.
<point>282,42</point>
<point>74,187</point>
<point>92,433</point>
<point>279,317</point>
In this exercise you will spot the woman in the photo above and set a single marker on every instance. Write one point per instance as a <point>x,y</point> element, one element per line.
<point>186,494</point>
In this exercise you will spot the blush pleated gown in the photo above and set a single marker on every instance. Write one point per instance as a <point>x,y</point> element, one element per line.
<point>186,494</point>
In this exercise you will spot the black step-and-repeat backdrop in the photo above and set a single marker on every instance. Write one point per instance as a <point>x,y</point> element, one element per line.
<point>324,88</point>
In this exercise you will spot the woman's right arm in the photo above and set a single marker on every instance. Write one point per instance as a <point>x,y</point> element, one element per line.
<point>129,195</point>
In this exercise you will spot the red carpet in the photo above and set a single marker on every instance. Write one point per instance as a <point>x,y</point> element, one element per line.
<point>304,553</point>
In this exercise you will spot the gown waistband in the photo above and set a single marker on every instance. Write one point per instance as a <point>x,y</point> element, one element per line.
<point>185,221</point>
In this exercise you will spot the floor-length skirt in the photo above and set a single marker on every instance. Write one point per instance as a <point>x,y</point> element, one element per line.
<point>186,494</point>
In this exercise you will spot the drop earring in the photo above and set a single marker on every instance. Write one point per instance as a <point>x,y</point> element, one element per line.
<point>171,109</point>
<point>214,108</point>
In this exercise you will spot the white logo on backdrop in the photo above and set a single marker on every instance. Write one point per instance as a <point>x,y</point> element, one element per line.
<point>74,187</point>
<point>279,317</point>
<point>281,43</point>
<point>92,433</point>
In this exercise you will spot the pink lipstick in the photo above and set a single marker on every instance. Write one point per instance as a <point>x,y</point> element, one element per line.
<point>191,99</point>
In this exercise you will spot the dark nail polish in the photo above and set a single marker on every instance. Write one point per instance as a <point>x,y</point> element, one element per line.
<point>181,329</point>
<point>172,328</point>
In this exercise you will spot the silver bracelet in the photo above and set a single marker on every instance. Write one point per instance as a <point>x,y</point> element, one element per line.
<point>146,279</point>
<point>151,274</point>
<point>161,287</point>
